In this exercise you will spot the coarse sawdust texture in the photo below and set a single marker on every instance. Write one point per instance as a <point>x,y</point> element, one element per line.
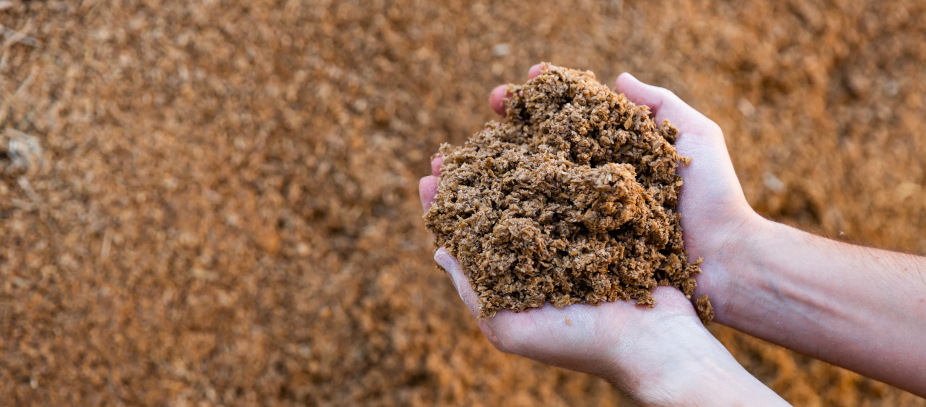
<point>570,199</point>
<point>214,203</point>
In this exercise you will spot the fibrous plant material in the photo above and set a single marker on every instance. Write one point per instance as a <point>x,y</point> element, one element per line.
<point>705,310</point>
<point>570,199</point>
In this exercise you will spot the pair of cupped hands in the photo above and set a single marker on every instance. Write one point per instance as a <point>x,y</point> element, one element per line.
<point>657,354</point>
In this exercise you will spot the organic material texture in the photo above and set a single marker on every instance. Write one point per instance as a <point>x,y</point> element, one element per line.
<point>221,208</point>
<point>570,199</point>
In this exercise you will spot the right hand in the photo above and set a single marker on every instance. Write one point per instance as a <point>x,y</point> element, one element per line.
<point>715,213</point>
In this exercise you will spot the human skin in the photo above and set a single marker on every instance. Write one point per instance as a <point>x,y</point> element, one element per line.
<point>857,307</point>
<point>860,308</point>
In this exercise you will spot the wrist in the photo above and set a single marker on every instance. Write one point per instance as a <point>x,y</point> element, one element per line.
<point>650,348</point>
<point>684,365</point>
<point>729,269</point>
<point>646,363</point>
<point>671,367</point>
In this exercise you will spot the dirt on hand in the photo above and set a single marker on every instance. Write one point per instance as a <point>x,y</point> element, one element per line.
<point>570,199</point>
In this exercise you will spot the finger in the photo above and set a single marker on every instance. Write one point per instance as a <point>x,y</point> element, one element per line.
<point>707,148</point>
<point>435,165</point>
<point>427,189</point>
<point>497,99</point>
<point>500,93</point>
<point>534,71</point>
<point>470,298</point>
<point>453,268</point>
<point>664,105</point>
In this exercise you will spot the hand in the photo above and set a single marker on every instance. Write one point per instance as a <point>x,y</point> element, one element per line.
<point>715,213</point>
<point>661,355</point>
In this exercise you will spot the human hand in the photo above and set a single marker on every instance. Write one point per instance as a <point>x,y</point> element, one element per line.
<point>714,210</point>
<point>656,355</point>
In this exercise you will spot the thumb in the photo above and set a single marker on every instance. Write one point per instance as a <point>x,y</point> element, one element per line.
<point>665,105</point>
<point>699,138</point>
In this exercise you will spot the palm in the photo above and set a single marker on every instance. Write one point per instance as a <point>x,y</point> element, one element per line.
<point>574,337</point>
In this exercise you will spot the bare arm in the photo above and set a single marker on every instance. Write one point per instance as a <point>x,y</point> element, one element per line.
<point>856,307</point>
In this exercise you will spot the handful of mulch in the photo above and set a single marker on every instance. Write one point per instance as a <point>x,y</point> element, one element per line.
<point>570,199</point>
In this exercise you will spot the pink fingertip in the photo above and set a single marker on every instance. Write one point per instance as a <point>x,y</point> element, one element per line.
<point>627,76</point>
<point>534,71</point>
<point>427,189</point>
<point>497,99</point>
<point>435,165</point>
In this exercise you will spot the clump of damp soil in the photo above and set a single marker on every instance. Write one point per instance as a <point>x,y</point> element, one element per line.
<point>570,199</point>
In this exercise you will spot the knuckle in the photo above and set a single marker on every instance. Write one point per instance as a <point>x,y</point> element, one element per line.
<point>713,127</point>
<point>667,94</point>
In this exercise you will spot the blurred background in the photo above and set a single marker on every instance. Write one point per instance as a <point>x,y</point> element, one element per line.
<point>214,202</point>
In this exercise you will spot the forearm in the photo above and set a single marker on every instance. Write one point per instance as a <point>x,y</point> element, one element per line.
<point>856,307</point>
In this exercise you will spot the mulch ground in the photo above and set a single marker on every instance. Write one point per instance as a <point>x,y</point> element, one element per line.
<point>214,203</point>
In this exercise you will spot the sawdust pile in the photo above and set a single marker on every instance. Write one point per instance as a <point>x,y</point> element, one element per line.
<point>571,199</point>
<point>214,203</point>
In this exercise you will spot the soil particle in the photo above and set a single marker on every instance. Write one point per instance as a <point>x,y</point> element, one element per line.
<point>570,199</point>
